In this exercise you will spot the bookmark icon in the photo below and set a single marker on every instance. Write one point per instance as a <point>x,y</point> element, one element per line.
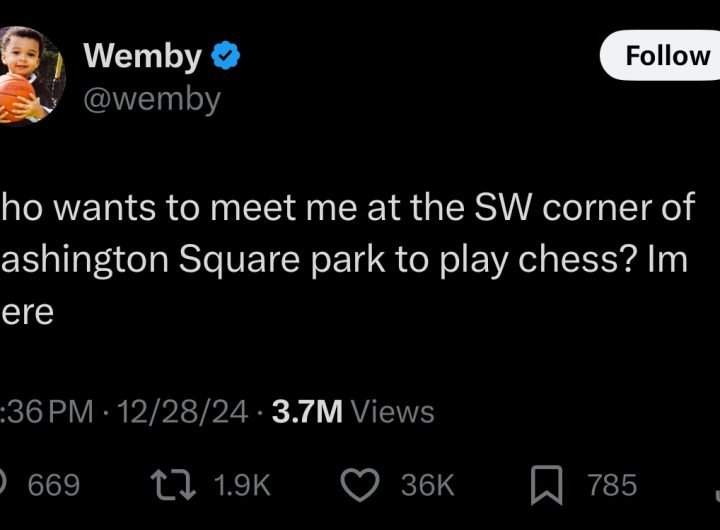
<point>551,478</point>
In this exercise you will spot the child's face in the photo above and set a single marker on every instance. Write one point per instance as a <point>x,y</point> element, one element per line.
<point>21,55</point>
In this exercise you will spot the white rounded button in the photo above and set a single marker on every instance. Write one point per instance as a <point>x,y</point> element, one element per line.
<point>662,55</point>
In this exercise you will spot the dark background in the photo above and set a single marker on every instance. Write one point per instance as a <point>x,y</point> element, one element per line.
<point>598,373</point>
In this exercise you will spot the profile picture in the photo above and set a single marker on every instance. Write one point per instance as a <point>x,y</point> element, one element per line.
<point>32,76</point>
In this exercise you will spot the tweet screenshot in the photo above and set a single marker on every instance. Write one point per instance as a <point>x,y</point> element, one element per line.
<point>354,266</point>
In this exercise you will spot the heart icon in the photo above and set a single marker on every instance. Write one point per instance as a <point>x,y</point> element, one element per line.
<point>359,475</point>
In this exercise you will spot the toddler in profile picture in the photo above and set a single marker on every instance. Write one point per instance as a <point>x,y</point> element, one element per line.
<point>22,49</point>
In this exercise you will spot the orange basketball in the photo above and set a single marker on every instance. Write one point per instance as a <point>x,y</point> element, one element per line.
<point>12,86</point>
